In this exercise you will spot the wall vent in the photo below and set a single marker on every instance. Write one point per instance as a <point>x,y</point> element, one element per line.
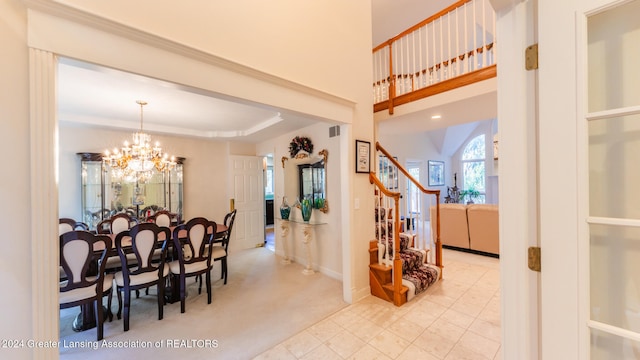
<point>334,131</point>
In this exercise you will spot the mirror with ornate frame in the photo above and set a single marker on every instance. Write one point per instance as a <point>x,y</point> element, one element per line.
<point>312,179</point>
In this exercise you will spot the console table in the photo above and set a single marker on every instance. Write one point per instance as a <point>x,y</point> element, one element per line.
<point>307,231</point>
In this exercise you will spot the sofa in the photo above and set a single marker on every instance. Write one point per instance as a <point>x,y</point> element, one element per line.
<point>470,227</point>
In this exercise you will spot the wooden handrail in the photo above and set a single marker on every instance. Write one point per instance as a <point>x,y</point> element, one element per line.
<point>405,172</point>
<point>422,23</point>
<point>374,180</point>
<point>401,168</point>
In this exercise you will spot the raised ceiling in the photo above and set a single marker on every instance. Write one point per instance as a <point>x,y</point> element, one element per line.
<point>101,97</point>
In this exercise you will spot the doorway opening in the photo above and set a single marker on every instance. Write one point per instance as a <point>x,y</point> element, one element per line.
<point>269,233</point>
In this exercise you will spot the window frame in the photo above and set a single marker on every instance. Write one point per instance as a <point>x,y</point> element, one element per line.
<point>482,197</point>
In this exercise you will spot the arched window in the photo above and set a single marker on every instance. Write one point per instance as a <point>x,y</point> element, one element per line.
<point>473,168</point>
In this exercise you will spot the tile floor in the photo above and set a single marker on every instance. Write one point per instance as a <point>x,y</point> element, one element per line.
<point>457,318</point>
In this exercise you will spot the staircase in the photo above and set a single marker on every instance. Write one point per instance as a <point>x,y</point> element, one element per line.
<point>400,270</point>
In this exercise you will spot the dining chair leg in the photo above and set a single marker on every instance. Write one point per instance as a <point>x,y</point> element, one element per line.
<point>119,303</point>
<point>183,290</point>
<point>160,299</point>
<point>99,318</point>
<point>224,270</point>
<point>127,303</point>
<point>200,286</point>
<point>208,279</point>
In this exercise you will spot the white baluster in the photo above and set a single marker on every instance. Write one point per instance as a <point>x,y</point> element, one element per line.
<point>379,76</point>
<point>466,41</point>
<point>457,43</point>
<point>376,76</point>
<point>440,69</point>
<point>484,34</point>
<point>422,77</point>
<point>428,45</point>
<point>475,39</point>
<point>449,67</point>
<point>493,47</point>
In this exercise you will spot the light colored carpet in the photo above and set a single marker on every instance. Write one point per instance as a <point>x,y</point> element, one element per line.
<point>263,303</point>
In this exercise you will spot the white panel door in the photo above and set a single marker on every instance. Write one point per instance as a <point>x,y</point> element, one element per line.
<point>589,146</point>
<point>248,193</point>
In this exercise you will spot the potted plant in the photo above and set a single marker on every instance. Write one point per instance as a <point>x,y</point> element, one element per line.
<point>471,194</point>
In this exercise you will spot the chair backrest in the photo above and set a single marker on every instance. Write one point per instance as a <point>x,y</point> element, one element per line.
<point>162,218</point>
<point>195,242</point>
<point>120,223</point>
<point>67,224</point>
<point>229,220</point>
<point>104,227</point>
<point>143,239</point>
<point>78,249</point>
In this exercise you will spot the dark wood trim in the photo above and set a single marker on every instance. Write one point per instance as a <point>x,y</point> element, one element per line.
<point>471,251</point>
<point>89,156</point>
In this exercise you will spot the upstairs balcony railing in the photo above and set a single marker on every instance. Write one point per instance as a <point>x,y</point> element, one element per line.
<point>450,49</point>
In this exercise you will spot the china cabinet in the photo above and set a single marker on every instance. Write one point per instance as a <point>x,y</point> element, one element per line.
<point>105,192</point>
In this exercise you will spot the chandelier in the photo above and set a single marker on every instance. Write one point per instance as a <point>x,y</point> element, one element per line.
<point>138,160</point>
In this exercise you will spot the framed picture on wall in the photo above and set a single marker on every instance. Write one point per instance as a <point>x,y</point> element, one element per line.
<point>363,157</point>
<point>436,173</point>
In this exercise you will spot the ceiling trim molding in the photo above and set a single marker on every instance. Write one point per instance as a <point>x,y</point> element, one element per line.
<point>77,16</point>
<point>114,124</point>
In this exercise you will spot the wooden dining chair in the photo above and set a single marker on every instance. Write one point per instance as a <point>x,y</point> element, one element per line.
<point>114,225</point>
<point>79,251</point>
<point>67,224</point>
<point>193,259</point>
<point>141,241</point>
<point>122,222</point>
<point>219,252</point>
<point>161,218</point>
<point>64,226</point>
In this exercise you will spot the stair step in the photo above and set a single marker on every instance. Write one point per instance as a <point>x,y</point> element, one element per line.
<point>381,268</point>
<point>381,272</point>
<point>389,287</point>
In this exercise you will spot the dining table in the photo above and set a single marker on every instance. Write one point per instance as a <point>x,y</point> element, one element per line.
<point>86,320</point>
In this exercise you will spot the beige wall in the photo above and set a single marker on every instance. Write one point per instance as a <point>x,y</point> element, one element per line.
<point>274,40</point>
<point>15,266</point>
<point>312,42</point>
<point>326,246</point>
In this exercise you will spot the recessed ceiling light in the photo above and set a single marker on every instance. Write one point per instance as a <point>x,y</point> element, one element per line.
<point>435,117</point>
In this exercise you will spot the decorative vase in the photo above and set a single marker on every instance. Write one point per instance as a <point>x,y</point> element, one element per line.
<point>285,209</point>
<point>306,206</point>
